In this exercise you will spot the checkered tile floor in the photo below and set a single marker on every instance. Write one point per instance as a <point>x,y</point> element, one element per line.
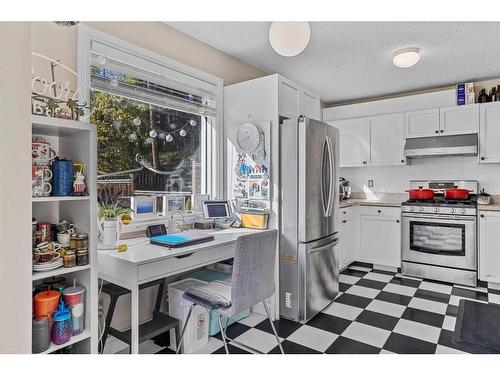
<point>375,312</point>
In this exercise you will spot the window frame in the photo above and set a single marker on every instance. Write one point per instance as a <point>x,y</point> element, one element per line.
<point>86,35</point>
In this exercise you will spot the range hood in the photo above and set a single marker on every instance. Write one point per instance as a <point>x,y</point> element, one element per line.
<point>465,144</point>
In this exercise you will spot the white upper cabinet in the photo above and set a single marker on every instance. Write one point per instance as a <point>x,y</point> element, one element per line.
<point>423,123</point>
<point>354,141</point>
<point>489,133</point>
<point>489,246</point>
<point>288,98</point>
<point>459,120</point>
<point>387,139</point>
<point>310,105</point>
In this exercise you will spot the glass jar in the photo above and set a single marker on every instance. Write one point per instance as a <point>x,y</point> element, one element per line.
<point>69,259</point>
<point>79,241</point>
<point>82,257</point>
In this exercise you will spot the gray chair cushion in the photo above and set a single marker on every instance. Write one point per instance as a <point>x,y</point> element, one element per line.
<point>214,295</point>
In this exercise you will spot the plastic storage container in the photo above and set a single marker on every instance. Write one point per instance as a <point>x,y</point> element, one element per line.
<point>213,325</point>
<point>74,297</point>
<point>196,335</point>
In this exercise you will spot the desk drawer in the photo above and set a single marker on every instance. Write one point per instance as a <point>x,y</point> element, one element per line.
<point>187,261</point>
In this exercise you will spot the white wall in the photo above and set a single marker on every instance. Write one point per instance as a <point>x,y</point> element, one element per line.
<point>395,179</point>
<point>15,191</point>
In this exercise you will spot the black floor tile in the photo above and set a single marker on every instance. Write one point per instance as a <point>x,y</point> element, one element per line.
<point>390,273</point>
<point>165,351</point>
<point>284,327</point>
<point>452,310</point>
<point>446,339</point>
<point>362,264</point>
<point>433,296</point>
<point>394,298</point>
<point>232,350</point>
<point>343,287</point>
<point>425,317</point>
<point>234,330</point>
<point>356,273</point>
<point>353,300</point>
<point>329,323</point>
<point>375,319</point>
<point>163,339</point>
<point>371,284</point>
<point>408,345</point>
<point>343,345</point>
<point>472,294</point>
<point>493,291</point>
<point>406,282</point>
<point>290,347</point>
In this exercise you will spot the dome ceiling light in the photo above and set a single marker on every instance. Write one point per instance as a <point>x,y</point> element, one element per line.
<point>289,38</point>
<point>406,58</point>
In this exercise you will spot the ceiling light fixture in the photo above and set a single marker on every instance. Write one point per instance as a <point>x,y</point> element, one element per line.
<point>289,38</point>
<point>406,58</point>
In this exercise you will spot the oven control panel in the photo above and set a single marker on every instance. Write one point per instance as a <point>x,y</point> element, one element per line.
<point>467,211</point>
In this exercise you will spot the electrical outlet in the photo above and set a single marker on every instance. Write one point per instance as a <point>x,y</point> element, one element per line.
<point>370,183</point>
<point>288,299</point>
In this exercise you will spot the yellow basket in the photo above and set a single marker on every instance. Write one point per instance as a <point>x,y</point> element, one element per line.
<point>254,220</point>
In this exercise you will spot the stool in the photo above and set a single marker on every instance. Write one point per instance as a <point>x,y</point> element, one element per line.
<point>160,323</point>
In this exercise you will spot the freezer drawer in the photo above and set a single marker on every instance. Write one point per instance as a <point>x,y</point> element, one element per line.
<point>319,276</point>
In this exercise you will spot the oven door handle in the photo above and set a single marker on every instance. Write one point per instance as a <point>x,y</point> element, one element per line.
<point>439,217</point>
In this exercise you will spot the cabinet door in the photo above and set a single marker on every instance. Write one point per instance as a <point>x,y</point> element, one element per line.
<point>288,98</point>
<point>347,237</point>
<point>387,139</point>
<point>489,133</point>
<point>310,105</point>
<point>489,246</point>
<point>380,239</point>
<point>459,119</point>
<point>422,123</point>
<point>354,142</point>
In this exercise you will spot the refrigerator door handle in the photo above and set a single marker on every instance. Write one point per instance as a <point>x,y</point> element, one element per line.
<point>325,202</point>
<point>323,247</point>
<point>331,173</point>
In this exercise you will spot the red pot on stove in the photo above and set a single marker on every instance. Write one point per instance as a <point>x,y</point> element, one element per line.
<point>457,193</point>
<point>421,194</point>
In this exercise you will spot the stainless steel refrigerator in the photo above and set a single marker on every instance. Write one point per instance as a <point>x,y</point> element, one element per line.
<point>309,217</point>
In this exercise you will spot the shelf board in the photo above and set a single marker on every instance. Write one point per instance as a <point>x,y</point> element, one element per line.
<point>39,275</point>
<point>60,199</point>
<point>51,126</point>
<point>74,339</point>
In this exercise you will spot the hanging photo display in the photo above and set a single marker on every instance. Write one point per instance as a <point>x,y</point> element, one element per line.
<point>251,166</point>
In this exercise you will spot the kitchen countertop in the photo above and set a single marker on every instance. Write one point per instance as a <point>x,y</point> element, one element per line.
<point>386,201</point>
<point>489,207</point>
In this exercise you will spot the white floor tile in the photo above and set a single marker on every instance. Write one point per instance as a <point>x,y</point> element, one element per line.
<point>348,279</point>
<point>313,337</point>
<point>386,308</point>
<point>494,298</point>
<point>400,289</point>
<point>378,277</point>
<point>434,287</point>
<point>363,291</point>
<point>383,351</point>
<point>428,305</point>
<point>409,277</point>
<point>417,330</point>
<point>258,340</point>
<point>253,319</point>
<point>213,345</point>
<point>449,323</point>
<point>455,300</point>
<point>368,334</point>
<point>441,349</point>
<point>343,311</point>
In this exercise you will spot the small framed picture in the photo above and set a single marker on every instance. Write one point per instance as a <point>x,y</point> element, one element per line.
<point>175,202</point>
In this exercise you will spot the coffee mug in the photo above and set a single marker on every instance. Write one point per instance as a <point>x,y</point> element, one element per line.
<point>66,227</point>
<point>64,239</point>
<point>42,257</point>
<point>40,185</point>
<point>47,247</point>
<point>42,153</point>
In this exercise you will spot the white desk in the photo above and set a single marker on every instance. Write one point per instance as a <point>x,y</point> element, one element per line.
<point>143,262</point>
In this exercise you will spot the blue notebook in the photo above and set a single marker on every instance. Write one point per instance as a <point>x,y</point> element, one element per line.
<point>180,239</point>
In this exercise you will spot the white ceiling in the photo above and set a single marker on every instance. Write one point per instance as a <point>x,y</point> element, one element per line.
<point>353,60</point>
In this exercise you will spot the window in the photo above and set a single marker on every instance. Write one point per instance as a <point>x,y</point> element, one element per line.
<point>156,125</point>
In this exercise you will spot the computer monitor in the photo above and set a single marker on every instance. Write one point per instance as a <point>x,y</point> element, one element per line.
<point>216,210</point>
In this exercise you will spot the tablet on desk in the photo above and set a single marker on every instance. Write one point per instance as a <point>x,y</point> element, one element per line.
<point>181,239</point>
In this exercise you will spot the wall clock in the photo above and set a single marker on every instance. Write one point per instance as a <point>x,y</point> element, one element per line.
<point>248,137</point>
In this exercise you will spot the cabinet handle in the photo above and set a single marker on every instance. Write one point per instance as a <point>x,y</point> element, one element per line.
<point>402,161</point>
<point>397,221</point>
<point>482,158</point>
<point>344,221</point>
<point>437,131</point>
<point>481,215</point>
<point>379,211</point>
<point>364,162</point>
<point>442,131</point>
<point>344,212</point>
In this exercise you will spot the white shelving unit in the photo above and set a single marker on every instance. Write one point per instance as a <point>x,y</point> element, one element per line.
<point>76,141</point>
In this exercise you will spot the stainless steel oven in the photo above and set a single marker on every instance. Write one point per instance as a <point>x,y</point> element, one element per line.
<point>440,240</point>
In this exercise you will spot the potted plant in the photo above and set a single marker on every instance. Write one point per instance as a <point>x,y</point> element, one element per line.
<point>109,220</point>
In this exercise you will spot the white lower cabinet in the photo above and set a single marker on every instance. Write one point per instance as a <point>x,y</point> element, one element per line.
<point>489,246</point>
<point>379,232</point>
<point>347,231</point>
